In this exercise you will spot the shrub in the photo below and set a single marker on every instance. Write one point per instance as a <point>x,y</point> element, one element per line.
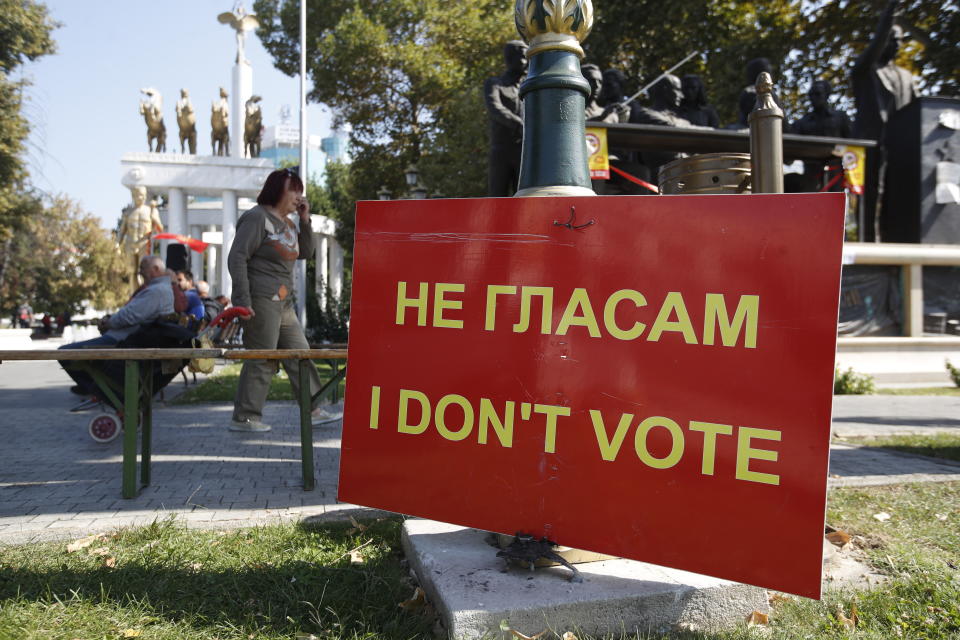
<point>954,373</point>
<point>850,382</point>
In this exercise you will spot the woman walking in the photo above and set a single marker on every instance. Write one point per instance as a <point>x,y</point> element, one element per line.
<point>265,249</point>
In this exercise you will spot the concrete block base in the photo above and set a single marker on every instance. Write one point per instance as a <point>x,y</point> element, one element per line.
<point>467,585</point>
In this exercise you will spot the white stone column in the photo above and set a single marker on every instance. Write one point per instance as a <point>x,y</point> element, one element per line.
<point>176,217</point>
<point>229,227</point>
<point>336,269</point>
<point>242,90</point>
<point>196,258</point>
<point>176,211</point>
<point>211,275</point>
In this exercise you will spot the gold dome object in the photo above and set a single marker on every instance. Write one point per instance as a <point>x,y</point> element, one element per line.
<point>554,24</point>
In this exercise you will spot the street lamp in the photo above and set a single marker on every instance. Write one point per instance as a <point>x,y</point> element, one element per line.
<point>412,175</point>
<point>384,193</point>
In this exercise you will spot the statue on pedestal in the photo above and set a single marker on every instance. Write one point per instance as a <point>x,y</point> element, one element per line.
<point>880,88</point>
<point>187,121</point>
<point>821,120</point>
<point>136,226</point>
<point>152,111</point>
<point>253,127</point>
<point>220,125</point>
<point>241,22</point>
<point>593,76</point>
<point>612,97</point>
<point>694,107</point>
<point>505,115</point>
<point>665,96</point>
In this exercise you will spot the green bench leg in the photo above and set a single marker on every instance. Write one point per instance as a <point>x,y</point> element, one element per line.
<point>146,434</point>
<point>306,428</point>
<point>131,414</point>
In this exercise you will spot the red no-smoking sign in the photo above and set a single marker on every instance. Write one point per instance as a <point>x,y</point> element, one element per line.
<point>656,385</point>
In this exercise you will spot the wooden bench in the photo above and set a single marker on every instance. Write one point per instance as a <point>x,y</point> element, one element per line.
<point>137,394</point>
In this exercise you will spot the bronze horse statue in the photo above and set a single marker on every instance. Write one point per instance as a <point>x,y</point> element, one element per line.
<point>152,112</point>
<point>253,127</point>
<point>220,126</point>
<point>187,121</point>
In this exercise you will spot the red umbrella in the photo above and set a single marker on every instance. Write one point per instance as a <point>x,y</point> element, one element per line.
<point>197,245</point>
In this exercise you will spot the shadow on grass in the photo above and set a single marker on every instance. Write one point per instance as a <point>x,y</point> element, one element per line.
<point>943,453</point>
<point>304,581</point>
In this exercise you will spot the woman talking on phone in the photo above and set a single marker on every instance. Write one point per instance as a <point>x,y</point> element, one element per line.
<point>269,239</point>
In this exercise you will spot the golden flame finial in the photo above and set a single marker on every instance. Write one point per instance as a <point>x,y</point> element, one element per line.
<point>554,24</point>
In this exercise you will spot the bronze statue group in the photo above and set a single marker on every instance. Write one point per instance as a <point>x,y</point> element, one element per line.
<point>880,88</point>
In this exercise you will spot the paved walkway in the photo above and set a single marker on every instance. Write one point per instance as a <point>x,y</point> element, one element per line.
<point>56,482</point>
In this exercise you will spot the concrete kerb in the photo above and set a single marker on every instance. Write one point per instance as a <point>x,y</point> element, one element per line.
<point>472,593</point>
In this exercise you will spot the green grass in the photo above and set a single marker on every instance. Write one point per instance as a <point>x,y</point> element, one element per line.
<point>918,548</point>
<point>919,391</point>
<point>222,386</point>
<point>291,581</point>
<point>169,582</point>
<point>940,445</point>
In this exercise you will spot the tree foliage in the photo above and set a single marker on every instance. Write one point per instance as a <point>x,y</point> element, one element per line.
<point>805,41</point>
<point>405,74</point>
<point>60,258</point>
<point>25,35</point>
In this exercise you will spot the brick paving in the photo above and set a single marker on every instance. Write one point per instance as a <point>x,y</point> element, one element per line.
<point>56,482</point>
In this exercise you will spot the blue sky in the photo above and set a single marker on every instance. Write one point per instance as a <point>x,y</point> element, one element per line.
<point>84,99</point>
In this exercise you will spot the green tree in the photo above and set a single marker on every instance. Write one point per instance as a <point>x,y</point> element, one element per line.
<point>834,33</point>
<point>25,35</point>
<point>805,41</point>
<point>61,258</point>
<point>406,74</point>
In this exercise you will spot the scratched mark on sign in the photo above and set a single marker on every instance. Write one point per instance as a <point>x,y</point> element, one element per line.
<point>512,238</point>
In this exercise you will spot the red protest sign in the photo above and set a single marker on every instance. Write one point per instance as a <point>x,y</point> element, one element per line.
<point>656,385</point>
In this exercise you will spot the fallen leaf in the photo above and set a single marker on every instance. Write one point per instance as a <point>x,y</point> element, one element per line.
<point>99,551</point>
<point>778,598</point>
<point>356,557</point>
<point>215,543</point>
<point>940,516</point>
<point>851,622</point>
<point>418,600</point>
<point>838,538</point>
<point>883,516</point>
<point>757,617</point>
<point>82,543</point>
<point>131,633</point>
<point>568,636</point>
<point>357,527</point>
<point>110,562</point>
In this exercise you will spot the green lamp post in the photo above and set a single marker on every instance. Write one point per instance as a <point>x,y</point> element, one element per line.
<point>554,160</point>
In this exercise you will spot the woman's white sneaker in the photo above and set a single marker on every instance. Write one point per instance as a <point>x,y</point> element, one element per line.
<point>248,424</point>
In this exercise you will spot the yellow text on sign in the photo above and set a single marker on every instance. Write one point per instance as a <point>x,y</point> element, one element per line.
<point>455,418</point>
<point>723,322</point>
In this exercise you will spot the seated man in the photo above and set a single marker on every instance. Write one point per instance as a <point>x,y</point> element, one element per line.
<point>194,303</point>
<point>211,308</point>
<point>153,300</point>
